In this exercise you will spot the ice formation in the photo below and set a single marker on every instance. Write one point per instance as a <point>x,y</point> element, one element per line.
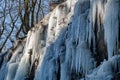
<point>78,40</point>
<point>111,26</point>
<point>107,70</point>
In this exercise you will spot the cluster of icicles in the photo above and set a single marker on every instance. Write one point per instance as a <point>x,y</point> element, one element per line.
<point>64,45</point>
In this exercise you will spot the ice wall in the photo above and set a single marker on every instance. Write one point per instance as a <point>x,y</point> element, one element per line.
<point>78,40</point>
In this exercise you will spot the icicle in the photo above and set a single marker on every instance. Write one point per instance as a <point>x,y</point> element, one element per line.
<point>65,73</point>
<point>43,72</point>
<point>83,59</point>
<point>3,71</point>
<point>95,22</point>
<point>111,25</point>
<point>69,52</point>
<point>17,54</point>
<point>11,71</point>
<point>23,68</point>
<point>14,62</point>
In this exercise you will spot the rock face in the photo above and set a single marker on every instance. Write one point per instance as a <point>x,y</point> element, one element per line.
<point>78,40</point>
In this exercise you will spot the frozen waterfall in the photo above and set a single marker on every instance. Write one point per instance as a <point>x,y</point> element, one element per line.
<point>78,40</point>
